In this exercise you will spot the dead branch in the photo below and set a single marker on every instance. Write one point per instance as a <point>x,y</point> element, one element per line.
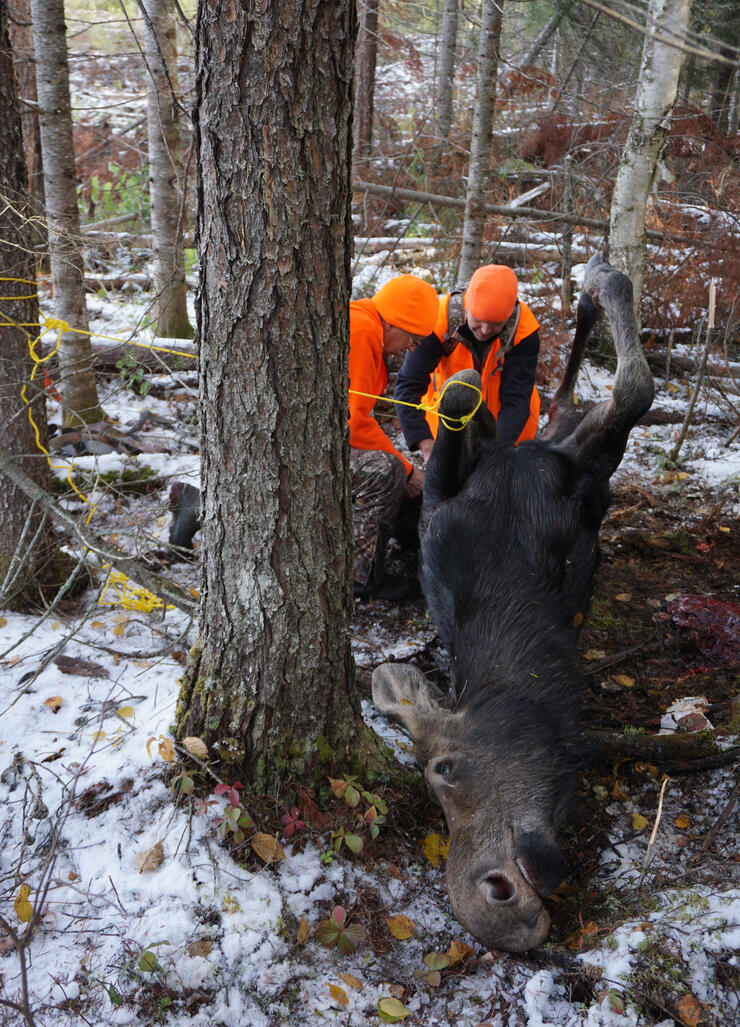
<point>682,753</point>
<point>530,213</point>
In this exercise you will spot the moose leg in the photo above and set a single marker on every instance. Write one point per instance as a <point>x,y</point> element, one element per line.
<point>457,443</point>
<point>563,414</point>
<point>600,438</point>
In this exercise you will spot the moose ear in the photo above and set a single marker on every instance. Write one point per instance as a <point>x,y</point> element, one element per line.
<point>401,692</point>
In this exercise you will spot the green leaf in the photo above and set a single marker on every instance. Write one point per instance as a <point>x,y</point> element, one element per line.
<point>148,962</point>
<point>391,1010</point>
<point>350,938</point>
<point>437,960</point>
<point>351,796</point>
<point>327,933</point>
<point>114,996</point>
<point>354,843</point>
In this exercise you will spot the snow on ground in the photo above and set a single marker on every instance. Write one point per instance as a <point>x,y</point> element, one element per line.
<point>194,938</point>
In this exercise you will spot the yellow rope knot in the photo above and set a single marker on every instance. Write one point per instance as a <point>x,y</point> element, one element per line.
<point>50,323</point>
<point>433,408</point>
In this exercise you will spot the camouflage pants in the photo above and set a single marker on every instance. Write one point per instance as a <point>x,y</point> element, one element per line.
<point>378,484</point>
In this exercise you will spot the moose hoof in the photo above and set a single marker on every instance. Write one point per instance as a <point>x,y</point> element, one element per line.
<point>461,394</point>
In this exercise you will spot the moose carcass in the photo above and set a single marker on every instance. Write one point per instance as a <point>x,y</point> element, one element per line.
<point>509,542</point>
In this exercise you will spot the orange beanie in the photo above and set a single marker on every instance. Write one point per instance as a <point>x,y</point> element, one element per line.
<point>491,295</point>
<point>409,303</point>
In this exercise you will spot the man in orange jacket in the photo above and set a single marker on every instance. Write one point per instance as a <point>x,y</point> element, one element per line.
<point>485,327</point>
<point>393,321</point>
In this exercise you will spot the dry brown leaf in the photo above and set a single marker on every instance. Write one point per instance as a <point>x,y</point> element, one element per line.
<point>623,597</point>
<point>435,848</point>
<point>54,703</point>
<point>204,947</point>
<point>3,622</point>
<point>196,747</point>
<point>691,1011</point>
<point>594,654</point>
<point>147,862</point>
<point>267,848</point>
<point>458,952</point>
<point>304,932</point>
<point>625,681</point>
<point>682,821</point>
<point>401,926</point>
<point>119,630</point>
<point>352,982</point>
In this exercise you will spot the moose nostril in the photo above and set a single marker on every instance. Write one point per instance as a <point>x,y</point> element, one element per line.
<point>499,888</point>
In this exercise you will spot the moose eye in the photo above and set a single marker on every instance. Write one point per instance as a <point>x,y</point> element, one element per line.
<point>443,768</point>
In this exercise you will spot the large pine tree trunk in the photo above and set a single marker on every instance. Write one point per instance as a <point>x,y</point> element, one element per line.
<point>656,95</point>
<point>366,53</point>
<point>166,184</point>
<point>447,46</point>
<point>77,381</point>
<point>26,544</point>
<point>480,144</point>
<point>272,672</point>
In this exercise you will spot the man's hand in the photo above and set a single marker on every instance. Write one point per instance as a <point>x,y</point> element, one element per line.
<point>415,483</point>
<point>425,448</point>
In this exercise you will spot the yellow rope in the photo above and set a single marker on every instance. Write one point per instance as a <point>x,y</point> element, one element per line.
<point>433,408</point>
<point>126,596</point>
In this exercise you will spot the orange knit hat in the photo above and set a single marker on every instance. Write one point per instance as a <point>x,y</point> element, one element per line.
<point>491,295</point>
<point>409,303</point>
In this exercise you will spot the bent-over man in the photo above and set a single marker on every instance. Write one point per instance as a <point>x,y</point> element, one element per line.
<point>484,327</point>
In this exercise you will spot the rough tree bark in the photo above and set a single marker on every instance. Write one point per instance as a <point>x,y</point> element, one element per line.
<point>447,47</point>
<point>480,144</point>
<point>366,54</point>
<point>26,544</point>
<point>270,683</point>
<point>21,37</point>
<point>166,184</point>
<point>656,95</point>
<point>80,403</point>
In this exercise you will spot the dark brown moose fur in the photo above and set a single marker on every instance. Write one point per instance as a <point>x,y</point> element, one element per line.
<point>509,543</point>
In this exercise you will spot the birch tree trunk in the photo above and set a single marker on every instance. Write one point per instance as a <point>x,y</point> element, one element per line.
<point>656,95</point>
<point>448,44</point>
<point>80,403</point>
<point>480,144</point>
<point>366,54</point>
<point>270,683</point>
<point>26,542</point>
<point>166,185</point>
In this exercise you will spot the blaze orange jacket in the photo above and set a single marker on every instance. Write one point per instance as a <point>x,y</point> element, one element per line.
<point>367,373</point>
<point>460,358</point>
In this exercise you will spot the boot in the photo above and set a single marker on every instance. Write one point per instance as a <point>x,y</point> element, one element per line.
<point>185,507</point>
